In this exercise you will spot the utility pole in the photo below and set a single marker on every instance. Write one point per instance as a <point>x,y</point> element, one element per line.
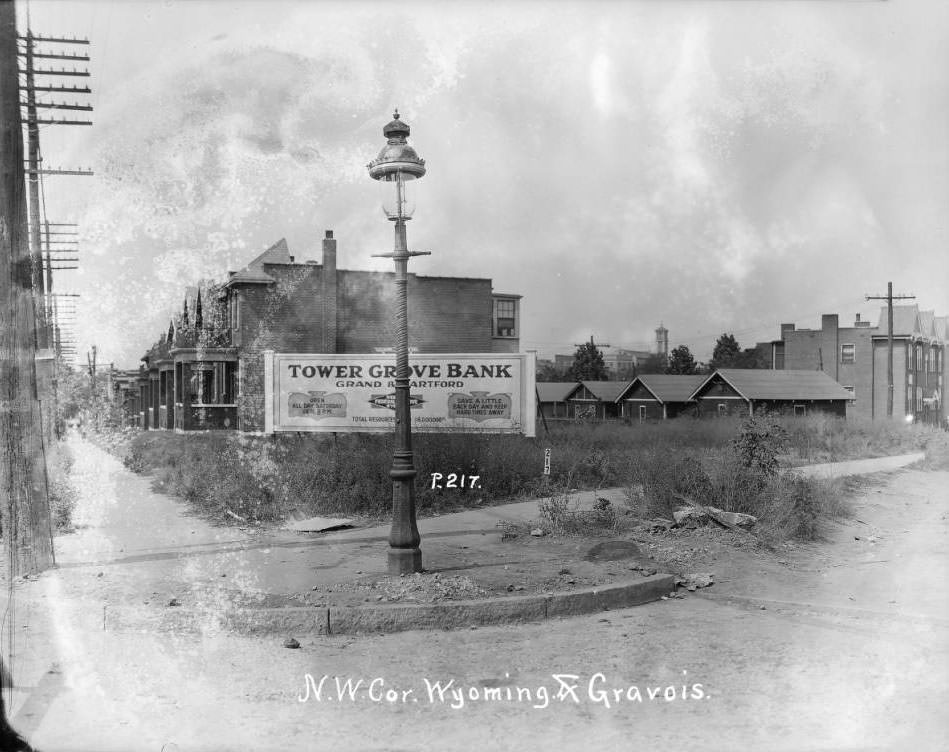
<point>42,281</point>
<point>91,360</point>
<point>24,499</point>
<point>889,298</point>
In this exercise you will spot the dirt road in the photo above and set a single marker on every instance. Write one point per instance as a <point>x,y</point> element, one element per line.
<point>848,652</point>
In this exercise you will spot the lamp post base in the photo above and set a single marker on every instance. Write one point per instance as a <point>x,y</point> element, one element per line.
<point>404,561</point>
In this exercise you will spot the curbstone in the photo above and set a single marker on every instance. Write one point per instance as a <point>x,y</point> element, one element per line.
<point>343,620</point>
<point>334,620</point>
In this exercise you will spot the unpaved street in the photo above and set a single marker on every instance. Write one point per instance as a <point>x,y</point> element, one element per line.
<point>848,652</point>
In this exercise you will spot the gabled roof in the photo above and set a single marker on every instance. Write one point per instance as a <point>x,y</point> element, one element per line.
<point>927,323</point>
<point>766,384</point>
<point>606,391</point>
<point>905,321</point>
<point>278,253</point>
<point>253,273</point>
<point>669,387</point>
<point>555,391</point>
<point>941,325</point>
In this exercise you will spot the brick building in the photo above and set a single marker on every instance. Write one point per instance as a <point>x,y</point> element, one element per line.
<point>211,375</point>
<point>856,357</point>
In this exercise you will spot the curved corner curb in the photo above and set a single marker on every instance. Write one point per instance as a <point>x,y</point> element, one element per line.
<point>334,620</point>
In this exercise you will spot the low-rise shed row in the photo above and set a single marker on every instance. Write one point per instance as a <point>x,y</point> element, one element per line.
<point>727,391</point>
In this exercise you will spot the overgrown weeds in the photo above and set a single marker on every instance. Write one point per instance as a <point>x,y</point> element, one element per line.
<point>718,462</point>
<point>62,492</point>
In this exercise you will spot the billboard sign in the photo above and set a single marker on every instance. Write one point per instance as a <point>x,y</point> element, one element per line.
<point>458,393</point>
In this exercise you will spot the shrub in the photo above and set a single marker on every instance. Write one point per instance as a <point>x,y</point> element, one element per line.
<point>760,440</point>
<point>62,492</point>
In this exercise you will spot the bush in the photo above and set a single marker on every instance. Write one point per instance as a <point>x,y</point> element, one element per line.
<point>727,462</point>
<point>760,440</point>
<point>62,492</point>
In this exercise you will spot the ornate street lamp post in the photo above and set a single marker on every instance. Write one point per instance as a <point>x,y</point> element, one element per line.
<point>399,164</point>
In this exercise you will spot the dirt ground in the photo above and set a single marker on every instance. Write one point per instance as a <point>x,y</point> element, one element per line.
<point>837,645</point>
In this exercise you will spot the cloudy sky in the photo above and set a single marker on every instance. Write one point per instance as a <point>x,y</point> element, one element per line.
<point>715,166</point>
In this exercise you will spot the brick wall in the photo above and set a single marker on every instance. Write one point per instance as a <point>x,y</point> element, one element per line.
<point>899,378</point>
<point>445,314</point>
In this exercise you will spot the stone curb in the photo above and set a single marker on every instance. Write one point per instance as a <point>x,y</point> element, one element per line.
<point>334,620</point>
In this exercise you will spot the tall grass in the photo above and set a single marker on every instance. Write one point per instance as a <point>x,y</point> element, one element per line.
<point>265,477</point>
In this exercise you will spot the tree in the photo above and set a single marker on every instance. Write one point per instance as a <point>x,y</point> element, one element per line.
<point>751,357</point>
<point>550,372</point>
<point>681,361</point>
<point>726,354</point>
<point>588,364</point>
<point>655,363</point>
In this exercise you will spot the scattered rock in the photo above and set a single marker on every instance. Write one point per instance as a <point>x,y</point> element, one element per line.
<point>763,608</point>
<point>690,517</point>
<point>643,570</point>
<point>537,532</point>
<point>100,574</point>
<point>696,580</point>
<point>291,643</point>
<point>614,550</point>
<point>564,570</point>
<point>736,519</point>
<point>174,602</point>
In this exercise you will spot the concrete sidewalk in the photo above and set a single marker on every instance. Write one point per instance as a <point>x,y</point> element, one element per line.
<point>139,561</point>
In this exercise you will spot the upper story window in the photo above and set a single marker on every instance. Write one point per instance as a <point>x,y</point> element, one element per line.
<point>919,358</point>
<point>847,353</point>
<point>505,317</point>
<point>234,310</point>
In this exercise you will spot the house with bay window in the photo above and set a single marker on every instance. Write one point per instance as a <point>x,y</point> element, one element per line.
<point>207,371</point>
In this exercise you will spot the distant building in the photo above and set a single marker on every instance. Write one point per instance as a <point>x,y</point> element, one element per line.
<point>662,342</point>
<point>659,396</point>
<point>212,376</point>
<point>745,391</point>
<point>727,391</point>
<point>619,362</point>
<point>856,357</point>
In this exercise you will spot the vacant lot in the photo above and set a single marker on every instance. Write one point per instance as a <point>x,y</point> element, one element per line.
<point>232,477</point>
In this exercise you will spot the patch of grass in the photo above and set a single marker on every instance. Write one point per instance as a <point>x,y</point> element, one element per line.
<point>62,493</point>
<point>261,478</point>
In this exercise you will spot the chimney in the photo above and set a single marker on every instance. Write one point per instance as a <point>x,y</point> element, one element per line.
<point>830,344</point>
<point>329,293</point>
<point>785,328</point>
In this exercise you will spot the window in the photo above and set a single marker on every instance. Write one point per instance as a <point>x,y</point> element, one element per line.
<point>213,383</point>
<point>800,409</point>
<point>919,358</point>
<point>234,310</point>
<point>847,353</point>
<point>505,318</point>
<point>722,408</point>
<point>642,413</point>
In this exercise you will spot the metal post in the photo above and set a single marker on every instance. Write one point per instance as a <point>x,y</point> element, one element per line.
<point>405,556</point>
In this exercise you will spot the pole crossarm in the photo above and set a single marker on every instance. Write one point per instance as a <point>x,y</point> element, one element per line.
<point>54,72</point>
<point>401,254</point>
<point>60,89</point>
<point>59,106</point>
<point>48,121</point>
<point>60,40</point>
<point>52,56</point>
